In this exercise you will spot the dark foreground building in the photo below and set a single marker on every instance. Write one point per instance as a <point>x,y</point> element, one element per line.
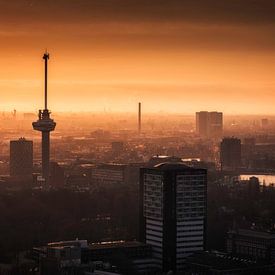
<point>253,244</point>
<point>217,263</point>
<point>173,212</point>
<point>77,257</point>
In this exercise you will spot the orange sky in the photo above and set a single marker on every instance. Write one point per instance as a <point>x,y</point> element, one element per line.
<point>110,54</point>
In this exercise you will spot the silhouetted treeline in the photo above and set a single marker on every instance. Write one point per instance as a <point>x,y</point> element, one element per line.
<point>237,206</point>
<point>32,218</point>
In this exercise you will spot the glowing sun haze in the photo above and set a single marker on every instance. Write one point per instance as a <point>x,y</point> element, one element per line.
<point>174,56</point>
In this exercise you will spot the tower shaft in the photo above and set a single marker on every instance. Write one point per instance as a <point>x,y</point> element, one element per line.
<point>139,118</point>
<point>46,155</point>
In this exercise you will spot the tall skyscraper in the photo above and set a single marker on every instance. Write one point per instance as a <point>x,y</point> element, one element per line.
<point>209,124</point>
<point>45,125</point>
<point>230,153</point>
<point>173,200</point>
<point>21,157</point>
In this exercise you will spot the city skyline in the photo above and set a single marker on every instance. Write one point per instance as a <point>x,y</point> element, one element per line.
<point>110,55</point>
<point>137,137</point>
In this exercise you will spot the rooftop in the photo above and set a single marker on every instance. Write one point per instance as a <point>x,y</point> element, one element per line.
<point>254,233</point>
<point>221,261</point>
<point>174,166</point>
<point>116,244</point>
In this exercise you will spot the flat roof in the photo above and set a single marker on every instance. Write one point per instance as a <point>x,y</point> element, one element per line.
<point>221,261</point>
<point>176,166</point>
<point>116,244</point>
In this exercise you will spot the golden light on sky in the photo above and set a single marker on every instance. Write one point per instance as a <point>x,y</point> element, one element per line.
<point>174,56</point>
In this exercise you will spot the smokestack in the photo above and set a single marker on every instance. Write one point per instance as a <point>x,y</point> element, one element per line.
<point>139,118</point>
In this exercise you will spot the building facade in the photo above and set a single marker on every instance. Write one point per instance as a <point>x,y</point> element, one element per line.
<point>108,174</point>
<point>254,244</point>
<point>209,124</point>
<point>173,212</point>
<point>230,153</point>
<point>21,157</point>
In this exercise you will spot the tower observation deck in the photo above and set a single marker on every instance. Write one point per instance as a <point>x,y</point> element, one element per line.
<point>45,125</point>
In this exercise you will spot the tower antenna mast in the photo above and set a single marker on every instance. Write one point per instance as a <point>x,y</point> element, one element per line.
<point>46,57</point>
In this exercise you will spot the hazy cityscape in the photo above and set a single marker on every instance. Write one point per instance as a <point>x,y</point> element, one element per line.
<point>145,144</point>
<point>93,190</point>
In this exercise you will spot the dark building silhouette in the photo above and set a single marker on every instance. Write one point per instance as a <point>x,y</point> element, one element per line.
<point>134,257</point>
<point>253,187</point>
<point>252,243</point>
<point>248,151</point>
<point>117,147</point>
<point>173,212</point>
<point>209,124</point>
<point>45,125</point>
<point>21,157</point>
<point>219,263</point>
<point>61,258</point>
<point>57,175</point>
<point>230,153</point>
<point>79,257</point>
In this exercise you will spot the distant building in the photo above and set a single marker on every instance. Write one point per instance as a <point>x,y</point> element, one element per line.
<point>61,257</point>
<point>77,181</point>
<point>230,153</point>
<point>253,187</point>
<point>249,187</point>
<point>218,263</point>
<point>57,175</point>
<point>209,124</point>
<point>115,173</point>
<point>173,212</point>
<point>21,157</point>
<point>265,123</point>
<point>77,257</point>
<point>254,244</point>
<point>110,174</point>
<point>130,257</point>
<point>117,147</point>
<point>101,134</point>
<point>248,151</point>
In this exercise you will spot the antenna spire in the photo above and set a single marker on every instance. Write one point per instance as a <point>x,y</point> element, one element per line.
<point>46,57</point>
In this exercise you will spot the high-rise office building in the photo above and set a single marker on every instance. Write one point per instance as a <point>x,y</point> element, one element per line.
<point>173,201</point>
<point>209,124</point>
<point>230,153</point>
<point>21,157</point>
